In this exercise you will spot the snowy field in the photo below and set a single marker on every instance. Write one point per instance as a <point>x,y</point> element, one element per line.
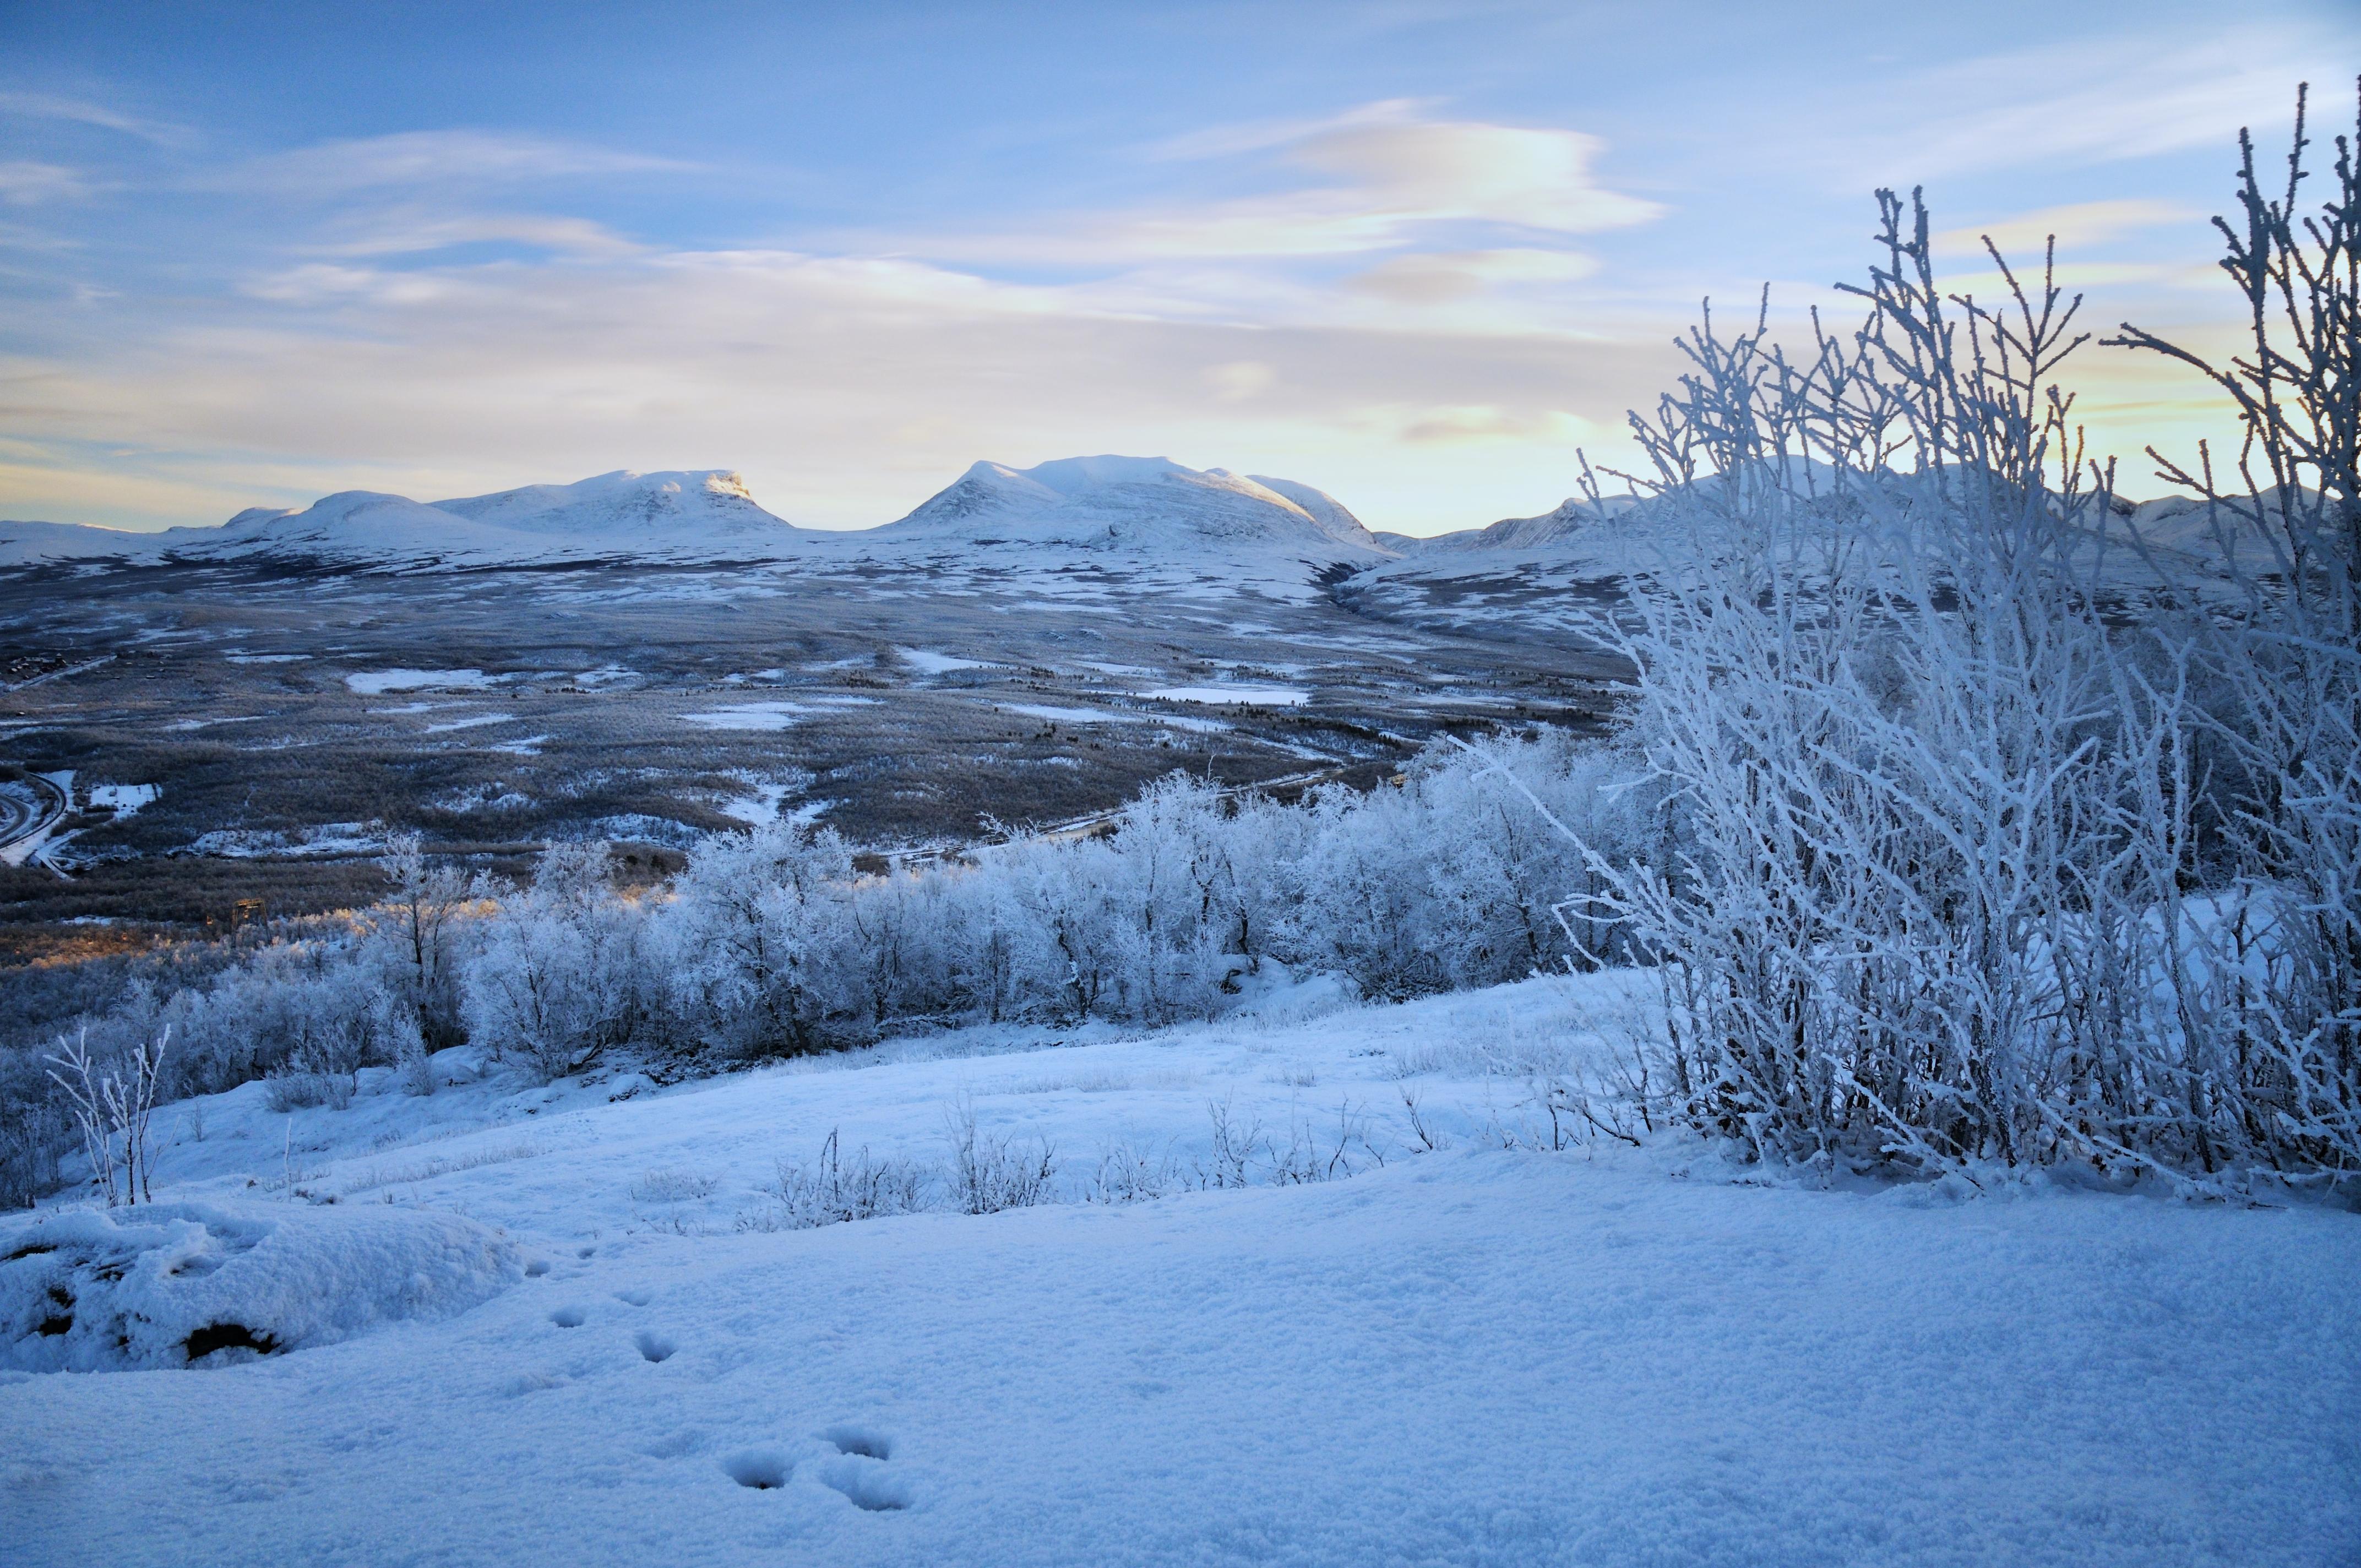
<point>1462,1354</point>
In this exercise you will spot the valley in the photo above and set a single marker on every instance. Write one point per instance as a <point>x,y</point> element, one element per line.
<point>915,688</point>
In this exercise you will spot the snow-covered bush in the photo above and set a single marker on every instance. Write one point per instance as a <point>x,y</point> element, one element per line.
<point>991,1171</point>
<point>1971,864</point>
<point>1194,903</point>
<point>755,944</point>
<point>188,1284</point>
<point>556,977</point>
<point>2267,987</point>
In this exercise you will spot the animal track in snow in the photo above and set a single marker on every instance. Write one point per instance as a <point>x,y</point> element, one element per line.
<point>635,1298</point>
<point>536,1269</point>
<point>654,1346</point>
<point>866,1442</point>
<point>865,1482</point>
<point>763,1469</point>
<point>569,1317</point>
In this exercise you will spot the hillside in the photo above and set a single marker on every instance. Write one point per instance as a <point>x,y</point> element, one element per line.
<point>1361,1345</point>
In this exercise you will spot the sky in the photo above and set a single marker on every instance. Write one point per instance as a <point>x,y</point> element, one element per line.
<point>1414,253</point>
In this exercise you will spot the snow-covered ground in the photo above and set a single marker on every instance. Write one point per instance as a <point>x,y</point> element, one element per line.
<point>1467,1354</point>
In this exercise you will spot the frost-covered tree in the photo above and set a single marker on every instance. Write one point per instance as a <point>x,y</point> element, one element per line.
<point>554,980</point>
<point>757,941</point>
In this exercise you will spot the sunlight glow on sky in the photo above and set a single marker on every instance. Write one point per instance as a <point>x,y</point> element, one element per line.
<point>1410,252</point>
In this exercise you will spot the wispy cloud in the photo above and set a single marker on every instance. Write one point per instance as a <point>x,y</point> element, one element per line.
<point>411,230</point>
<point>25,183</point>
<point>444,159</point>
<point>80,111</point>
<point>2094,101</point>
<point>2075,226</point>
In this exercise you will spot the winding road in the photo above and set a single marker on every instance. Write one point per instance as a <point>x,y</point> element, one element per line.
<point>26,825</point>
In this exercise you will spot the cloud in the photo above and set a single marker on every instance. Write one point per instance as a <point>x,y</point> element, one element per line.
<point>428,158</point>
<point>1426,170</point>
<point>25,183</point>
<point>1491,423</point>
<point>321,283</point>
<point>1240,381</point>
<point>846,388</point>
<point>1382,178</point>
<point>51,107</point>
<point>2076,226</point>
<point>412,231</point>
<point>2096,101</point>
<point>1434,278</point>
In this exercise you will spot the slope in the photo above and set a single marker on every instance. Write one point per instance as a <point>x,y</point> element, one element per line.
<point>1472,1355</point>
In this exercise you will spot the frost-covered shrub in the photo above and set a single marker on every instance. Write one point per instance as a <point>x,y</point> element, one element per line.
<point>1968,864</point>
<point>556,977</point>
<point>295,1091</point>
<point>835,1191</point>
<point>1195,902</point>
<point>756,943</point>
<point>990,1172</point>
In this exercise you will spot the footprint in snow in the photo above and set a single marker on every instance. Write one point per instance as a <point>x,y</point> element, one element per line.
<point>865,1482</point>
<point>569,1317</point>
<point>760,1469</point>
<point>635,1298</point>
<point>866,1442</point>
<point>654,1346</point>
<point>858,1470</point>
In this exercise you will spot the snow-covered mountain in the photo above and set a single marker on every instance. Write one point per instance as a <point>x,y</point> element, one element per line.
<point>1572,518</point>
<point>1134,503</point>
<point>710,508</point>
<point>1141,510</point>
<point>698,516</point>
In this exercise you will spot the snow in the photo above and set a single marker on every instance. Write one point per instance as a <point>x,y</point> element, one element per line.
<point>327,839</point>
<point>1472,1355</point>
<point>125,799</point>
<point>170,1284</point>
<point>1080,529</point>
<point>377,682</point>
<point>471,721</point>
<point>1253,696</point>
<point>764,808</point>
<point>633,511</point>
<point>32,849</point>
<point>748,716</point>
<point>1150,505</point>
<point>928,664</point>
<point>1056,715</point>
<point>684,516</point>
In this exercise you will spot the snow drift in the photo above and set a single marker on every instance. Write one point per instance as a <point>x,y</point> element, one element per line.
<point>188,1284</point>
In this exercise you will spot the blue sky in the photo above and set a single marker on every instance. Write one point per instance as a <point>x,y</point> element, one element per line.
<point>1412,252</point>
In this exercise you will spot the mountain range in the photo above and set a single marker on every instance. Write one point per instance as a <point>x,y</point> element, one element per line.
<point>1135,508</point>
<point>1084,503</point>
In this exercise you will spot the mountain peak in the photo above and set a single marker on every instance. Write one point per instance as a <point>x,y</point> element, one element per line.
<point>711,503</point>
<point>1111,501</point>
